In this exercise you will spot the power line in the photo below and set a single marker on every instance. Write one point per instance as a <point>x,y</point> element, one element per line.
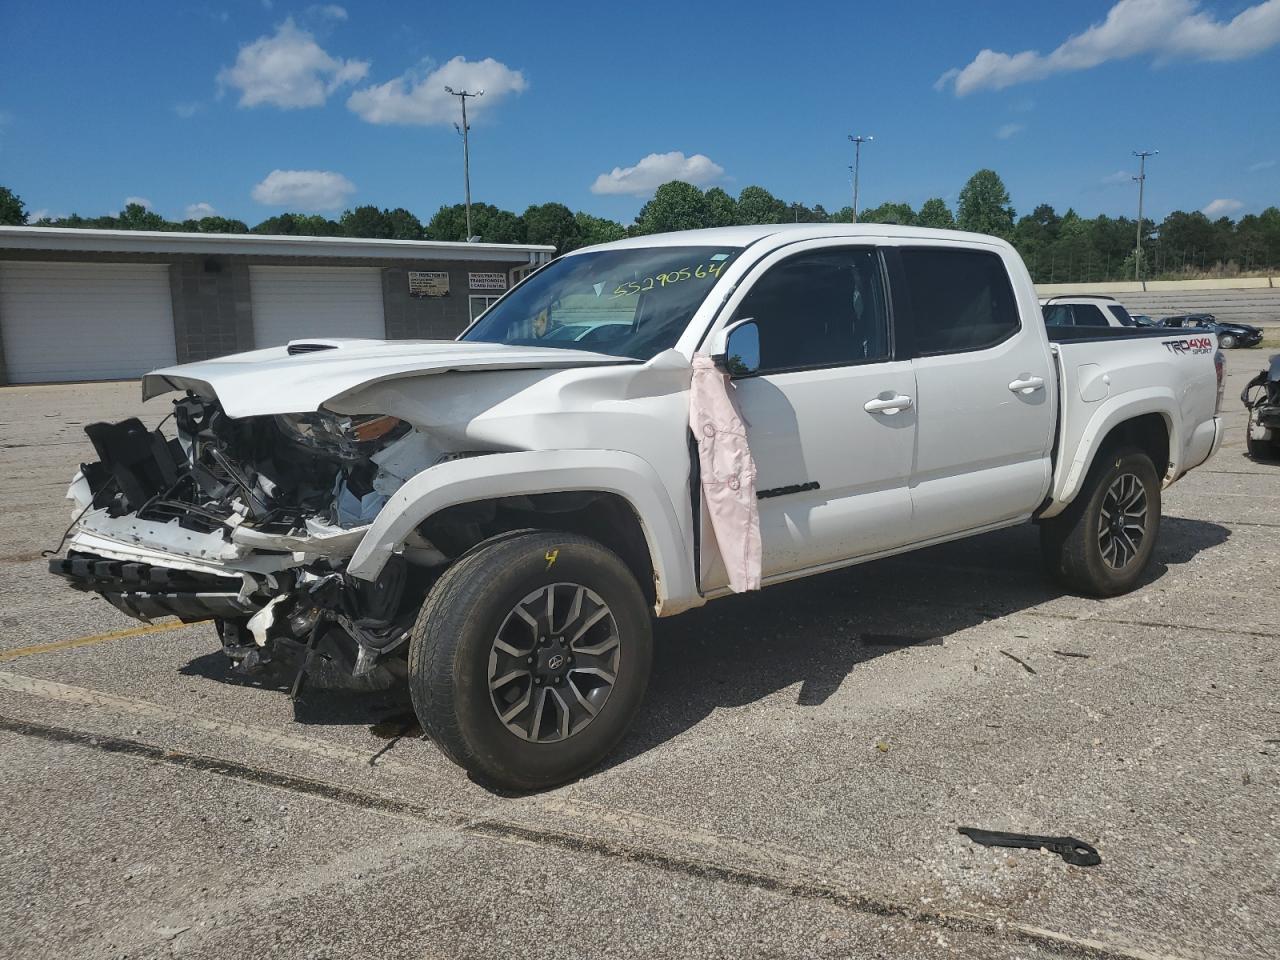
<point>857,142</point>
<point>466,145</point>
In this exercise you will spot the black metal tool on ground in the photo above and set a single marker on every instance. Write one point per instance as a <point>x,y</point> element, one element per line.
<point>1073,851</point>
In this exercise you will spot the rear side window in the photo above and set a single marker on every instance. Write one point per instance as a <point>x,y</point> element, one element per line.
<point>960,299</point>
<point>1087,315</point>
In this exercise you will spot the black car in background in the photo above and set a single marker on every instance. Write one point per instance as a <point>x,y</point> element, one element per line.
<point>1229,334</point>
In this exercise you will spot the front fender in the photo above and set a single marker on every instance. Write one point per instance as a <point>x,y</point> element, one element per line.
<point>534,472</point>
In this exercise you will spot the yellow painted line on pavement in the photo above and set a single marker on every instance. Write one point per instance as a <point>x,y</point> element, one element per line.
<point>96,638</point>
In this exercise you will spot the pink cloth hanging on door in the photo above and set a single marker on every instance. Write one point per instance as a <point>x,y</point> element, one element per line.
<point>728,473</point>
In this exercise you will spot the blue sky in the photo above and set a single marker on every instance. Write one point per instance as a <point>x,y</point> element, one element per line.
<point>253,107</point>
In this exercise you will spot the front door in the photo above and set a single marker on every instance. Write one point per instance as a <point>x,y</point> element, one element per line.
<point>830,413</point>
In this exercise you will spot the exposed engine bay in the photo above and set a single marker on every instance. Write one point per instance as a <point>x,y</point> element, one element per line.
<point>249,521</point>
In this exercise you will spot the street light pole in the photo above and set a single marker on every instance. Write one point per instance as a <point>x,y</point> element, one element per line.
<point>466,146</point>
<point>857,141</point>
<point>1142,183</point>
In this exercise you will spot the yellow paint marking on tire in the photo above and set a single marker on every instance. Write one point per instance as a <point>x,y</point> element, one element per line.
<point>96,638</point>
<point>551,557</point>
<point>130,707</point>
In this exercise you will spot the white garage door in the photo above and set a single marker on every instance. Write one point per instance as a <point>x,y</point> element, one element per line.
<point>85,321</point>
<point>293,303</point>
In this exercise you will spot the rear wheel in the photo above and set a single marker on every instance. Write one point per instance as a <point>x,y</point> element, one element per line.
<point>1102,543</point>
<point>530,658</point>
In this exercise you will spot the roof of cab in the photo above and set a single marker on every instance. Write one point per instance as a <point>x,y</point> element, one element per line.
<point>747,235</point>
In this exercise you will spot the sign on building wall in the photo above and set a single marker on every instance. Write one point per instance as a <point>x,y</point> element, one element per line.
<point>429,283</point>
<point>487,281</point>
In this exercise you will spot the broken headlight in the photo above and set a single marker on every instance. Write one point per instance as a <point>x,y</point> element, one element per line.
<point>342,437</point>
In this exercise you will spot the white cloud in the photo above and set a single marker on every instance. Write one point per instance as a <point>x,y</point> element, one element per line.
<point>655,170</point>
<point>1120,176</point>
<point>412,99</point>
<point>42,214</point>
<point>1222,207</point>
<point>304,189</point>
<point>1261,165</point>
<point>140,201</point>
<point>1010,130</point>
<point>288,69</point>
<point>198,211</point>
<point>327,11</point>
<point>186,110</point>
<point>1165,29</point>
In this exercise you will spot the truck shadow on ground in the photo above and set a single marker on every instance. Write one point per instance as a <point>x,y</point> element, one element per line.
<point>815,632</point>
<point>812,632</point>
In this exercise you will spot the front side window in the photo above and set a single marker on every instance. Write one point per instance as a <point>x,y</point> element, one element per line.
<point>960,299</point>
<point>820,309</point>
<point>626,303</point>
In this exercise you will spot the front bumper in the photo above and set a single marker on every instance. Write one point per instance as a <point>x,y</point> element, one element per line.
<point>146,591</point>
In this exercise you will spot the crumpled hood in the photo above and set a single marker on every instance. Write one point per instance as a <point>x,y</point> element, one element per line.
<point>274,381</point>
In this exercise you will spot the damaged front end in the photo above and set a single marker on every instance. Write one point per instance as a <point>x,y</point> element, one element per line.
<point>250,522</point>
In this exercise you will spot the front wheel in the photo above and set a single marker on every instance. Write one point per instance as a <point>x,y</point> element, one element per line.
<point>1102,543</point>
<point>1226,341</point>
<point>530,658</point>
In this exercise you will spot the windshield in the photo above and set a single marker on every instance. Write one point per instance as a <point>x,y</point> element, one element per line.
<point>627,303</point>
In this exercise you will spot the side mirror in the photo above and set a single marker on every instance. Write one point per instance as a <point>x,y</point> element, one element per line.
<point>736,348</point>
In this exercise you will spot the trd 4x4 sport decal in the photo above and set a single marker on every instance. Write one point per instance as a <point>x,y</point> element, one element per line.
<point>1189,345</point>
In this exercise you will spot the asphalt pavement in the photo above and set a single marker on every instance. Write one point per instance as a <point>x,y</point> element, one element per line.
<point>791,788</point>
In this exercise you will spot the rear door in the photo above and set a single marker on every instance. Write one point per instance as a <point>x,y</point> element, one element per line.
<point>985,388</point>
<point>829,414</point>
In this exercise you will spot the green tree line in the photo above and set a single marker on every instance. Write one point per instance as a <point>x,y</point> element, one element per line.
<point>1056,247</point>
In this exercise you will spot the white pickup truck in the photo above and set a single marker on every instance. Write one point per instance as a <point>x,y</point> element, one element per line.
<point>498,518</point>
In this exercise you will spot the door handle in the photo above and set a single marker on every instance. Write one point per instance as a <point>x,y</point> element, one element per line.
<point>1027,385</point>
<point>888,405</point>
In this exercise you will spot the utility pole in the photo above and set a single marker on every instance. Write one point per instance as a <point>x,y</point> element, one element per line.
<point>1142,183</point>
<point>857,142</point>
<point>466,145</point>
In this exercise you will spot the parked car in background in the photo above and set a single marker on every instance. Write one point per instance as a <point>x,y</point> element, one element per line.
<point>1142,320</point>
<point>1230,334</point>
<point>1237,335</point>
<point>1085,311</point>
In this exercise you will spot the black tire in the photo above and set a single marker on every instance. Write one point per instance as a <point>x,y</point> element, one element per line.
<point>1072,542</point>
<point>1226,341</point>
<point>454,648</point>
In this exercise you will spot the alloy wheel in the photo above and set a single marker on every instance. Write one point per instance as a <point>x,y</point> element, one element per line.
<point>1122,524</point>
<point>554,662</point>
